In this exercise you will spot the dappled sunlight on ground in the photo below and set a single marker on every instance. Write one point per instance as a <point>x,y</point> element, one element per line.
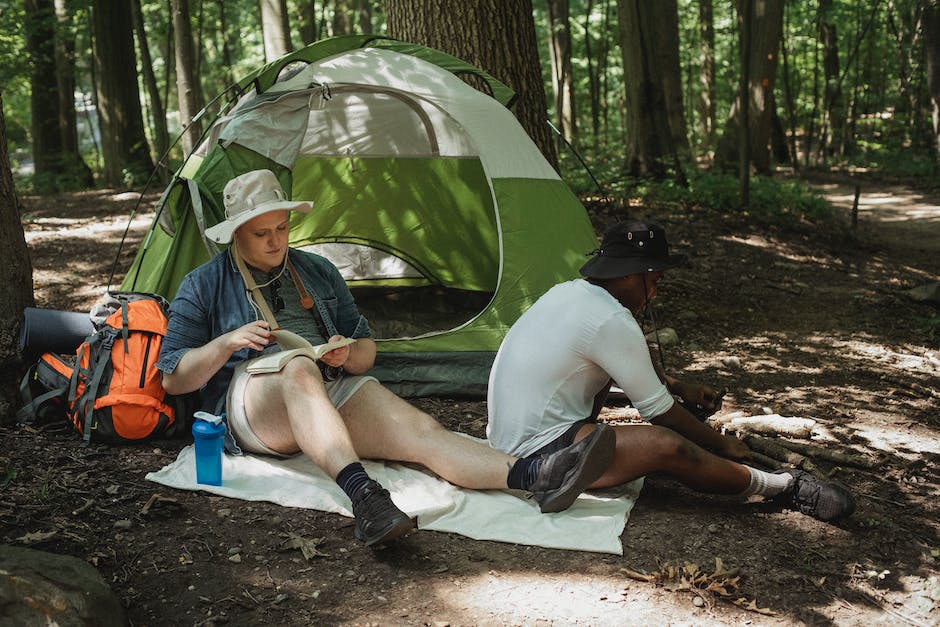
<point>524,597</point>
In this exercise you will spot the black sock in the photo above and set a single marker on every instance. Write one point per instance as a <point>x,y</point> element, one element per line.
<point>524,473</point>
<point>352,478</point>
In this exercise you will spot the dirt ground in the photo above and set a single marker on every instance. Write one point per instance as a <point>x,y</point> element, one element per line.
<point>787,319</point>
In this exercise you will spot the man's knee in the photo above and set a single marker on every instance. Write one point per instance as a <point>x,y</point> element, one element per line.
<point>672,447</point>
<point>302,372</point>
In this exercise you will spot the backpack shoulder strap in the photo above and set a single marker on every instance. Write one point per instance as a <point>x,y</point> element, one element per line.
<point>84,408</point>
<point>28,411</point>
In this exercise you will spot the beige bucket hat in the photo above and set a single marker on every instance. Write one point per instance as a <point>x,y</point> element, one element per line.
<point>248,196</point>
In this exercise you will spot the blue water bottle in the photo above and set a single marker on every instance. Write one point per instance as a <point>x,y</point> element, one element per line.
<point>208,435</point>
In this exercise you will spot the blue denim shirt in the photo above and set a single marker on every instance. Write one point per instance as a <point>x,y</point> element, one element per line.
<point>212,300</point>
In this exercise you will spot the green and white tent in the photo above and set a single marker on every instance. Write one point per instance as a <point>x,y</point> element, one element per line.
<point>439,210</point>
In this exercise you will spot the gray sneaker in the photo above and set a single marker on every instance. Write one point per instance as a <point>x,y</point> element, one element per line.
<point>567,473</point>
<point>827,501</point>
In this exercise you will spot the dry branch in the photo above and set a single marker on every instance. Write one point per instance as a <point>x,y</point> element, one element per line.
<point>772,424</point>
<point>770,448</point>
<point>818,452</point>
<point>766,461</point>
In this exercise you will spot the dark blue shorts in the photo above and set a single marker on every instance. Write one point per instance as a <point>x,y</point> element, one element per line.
<point>565,440</point>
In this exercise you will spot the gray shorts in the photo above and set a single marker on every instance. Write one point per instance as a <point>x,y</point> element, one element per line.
<point>339,391</point>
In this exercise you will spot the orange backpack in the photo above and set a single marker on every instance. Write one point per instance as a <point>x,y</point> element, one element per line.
<point>115,392</point>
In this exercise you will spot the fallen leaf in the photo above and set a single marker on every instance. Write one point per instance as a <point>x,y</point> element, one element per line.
<point>632,574</point>
<point>752,607</point>
<point>36,537</point>
<point>307,546</point>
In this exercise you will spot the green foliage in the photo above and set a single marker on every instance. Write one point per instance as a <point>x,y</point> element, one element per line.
<point>14,75</point>
<point>771,201</point>
<point>932,326</point>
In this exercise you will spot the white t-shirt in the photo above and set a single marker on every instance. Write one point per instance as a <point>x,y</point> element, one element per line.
<point>557,357</point>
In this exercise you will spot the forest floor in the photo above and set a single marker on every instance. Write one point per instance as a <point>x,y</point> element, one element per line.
<point>802,322</point>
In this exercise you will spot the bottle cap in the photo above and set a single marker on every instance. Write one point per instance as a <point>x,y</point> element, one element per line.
<point>207,417</point>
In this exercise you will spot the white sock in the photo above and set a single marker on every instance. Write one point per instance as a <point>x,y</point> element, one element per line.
<point>767,483</point>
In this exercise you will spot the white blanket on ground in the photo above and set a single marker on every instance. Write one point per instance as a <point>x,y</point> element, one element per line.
<point>593,523</point>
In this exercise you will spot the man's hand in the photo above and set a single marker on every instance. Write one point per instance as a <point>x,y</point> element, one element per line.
<point>256,335</point>
<point>338,356</point>
<point>735,449</point>
<point>700,400</point>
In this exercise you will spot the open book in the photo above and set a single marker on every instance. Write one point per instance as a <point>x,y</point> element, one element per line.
<point>292,345</point>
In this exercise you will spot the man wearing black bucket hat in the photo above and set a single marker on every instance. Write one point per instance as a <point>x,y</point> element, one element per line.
<point>556,365</point>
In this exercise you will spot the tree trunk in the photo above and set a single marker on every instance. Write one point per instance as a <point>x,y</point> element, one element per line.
<point>559,48</point>
<point>72,162</point>
<point>778,135</point>
<point>16,277</point>
<point>305,16</point>
<point>161,135</point>
<point>123,142</point>
<point>655,124</point>
<point>44,98</point>
<point>707,74</point>
<point>229,42</point>
<point>187,83</point>
<point>765,31</point>
<point>275,29</point>
<point>931,22</point>
<point>342,18</point>
<point>833,110</point>
<point>498,37</point>
<point>788,99</point>
<point>364,16</point>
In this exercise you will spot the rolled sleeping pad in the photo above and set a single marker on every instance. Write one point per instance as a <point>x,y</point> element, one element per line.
<point>54,331</point>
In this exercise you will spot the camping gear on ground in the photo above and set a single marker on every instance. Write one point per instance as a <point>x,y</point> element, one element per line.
<point>208,436</point>
<point>114,392</point>
<point>52,331</point>
<point>442,215</point>
<point>43,389</point>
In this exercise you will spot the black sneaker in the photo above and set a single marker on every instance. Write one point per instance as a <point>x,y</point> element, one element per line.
<point>827,501</point>
<point>567,473</point>
<point>378,519</point>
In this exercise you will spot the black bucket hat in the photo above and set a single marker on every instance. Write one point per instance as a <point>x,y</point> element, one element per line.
<point>630,247</point>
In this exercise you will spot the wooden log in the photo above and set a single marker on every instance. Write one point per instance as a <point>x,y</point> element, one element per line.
<point>773,424</point>
<point>819,452</point>
<point>765,461</point>
<point>771,449</point>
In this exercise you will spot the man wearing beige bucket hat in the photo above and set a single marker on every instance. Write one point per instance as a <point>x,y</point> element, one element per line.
<point>595,339</point>
<point>220,336</point>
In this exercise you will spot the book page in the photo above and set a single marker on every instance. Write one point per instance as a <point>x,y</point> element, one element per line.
<point>292,345</point>
<point>288,340</point>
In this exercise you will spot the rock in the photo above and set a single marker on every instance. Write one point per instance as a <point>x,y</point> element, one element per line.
<point>667,337</point>
<point>732,363</point>
<point>929,293</point>
<point>39,588</point>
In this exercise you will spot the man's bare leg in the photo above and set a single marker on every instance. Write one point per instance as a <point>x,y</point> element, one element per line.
<point>279,407</point>
<point>384,426</point>
<point>643,449</point>
<point>289,411</point>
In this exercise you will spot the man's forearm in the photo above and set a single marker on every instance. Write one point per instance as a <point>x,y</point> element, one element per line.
<point>684,423</point>
<point>361,356</point>
<point>195,368</point>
